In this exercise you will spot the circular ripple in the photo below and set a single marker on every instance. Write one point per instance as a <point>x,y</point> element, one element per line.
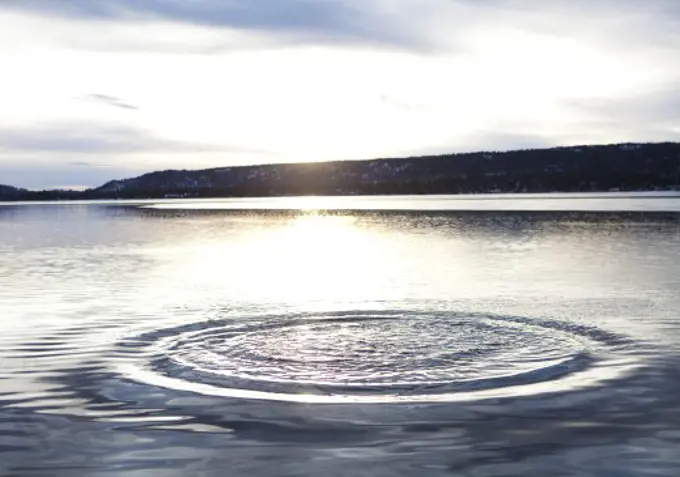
<point>378,357</point>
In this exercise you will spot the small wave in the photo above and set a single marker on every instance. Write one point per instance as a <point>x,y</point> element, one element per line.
<point>376,357</point>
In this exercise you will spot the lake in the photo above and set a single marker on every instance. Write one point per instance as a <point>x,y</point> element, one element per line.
<point>526,335</point>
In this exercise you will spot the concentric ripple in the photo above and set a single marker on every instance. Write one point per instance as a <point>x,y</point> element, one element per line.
<point>378,357</point>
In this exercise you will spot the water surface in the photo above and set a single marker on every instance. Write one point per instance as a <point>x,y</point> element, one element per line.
<point>341,336</point>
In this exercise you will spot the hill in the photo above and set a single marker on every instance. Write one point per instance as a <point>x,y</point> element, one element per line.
<point>625,167</point>
<point>568,169</point>
<point>9,192</point>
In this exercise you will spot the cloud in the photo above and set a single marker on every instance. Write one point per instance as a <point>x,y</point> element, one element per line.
<point>36,174</point>
<point>50,155</point>
<point>488,140</point>
<point>424,26</point>
<point>88,164</point>
<point>339,20</point>
<point>214,80</point>
<point>85,138</point>
<point>652,108</point>
<point>647,116</point>
<point>398,103</point>
<point>108,100</point>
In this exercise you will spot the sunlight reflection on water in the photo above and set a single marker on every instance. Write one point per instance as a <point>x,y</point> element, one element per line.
<point>180,340</point>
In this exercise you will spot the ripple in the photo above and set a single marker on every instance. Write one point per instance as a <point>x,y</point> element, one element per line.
<point>376,357</point>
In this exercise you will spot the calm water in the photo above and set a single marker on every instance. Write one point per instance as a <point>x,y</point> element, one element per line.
<point>421,336</point>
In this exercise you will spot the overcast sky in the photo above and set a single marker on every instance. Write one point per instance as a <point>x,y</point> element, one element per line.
<point>94,90</point>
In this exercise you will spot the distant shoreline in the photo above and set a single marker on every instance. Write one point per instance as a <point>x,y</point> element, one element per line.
<point>578,203</point>
<point>608,169</point>
<point>482,196</point>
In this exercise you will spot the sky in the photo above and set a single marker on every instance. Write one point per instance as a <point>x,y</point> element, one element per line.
<point>94,90</point>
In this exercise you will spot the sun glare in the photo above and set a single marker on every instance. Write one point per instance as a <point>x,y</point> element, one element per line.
<point>311,258</point>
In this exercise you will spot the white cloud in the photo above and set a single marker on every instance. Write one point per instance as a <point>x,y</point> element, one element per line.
<point>434,76</point>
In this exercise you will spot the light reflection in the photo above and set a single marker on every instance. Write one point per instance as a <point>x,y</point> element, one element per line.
<point>132,271</point>
<point>309,258</point>
<point>579,381</point>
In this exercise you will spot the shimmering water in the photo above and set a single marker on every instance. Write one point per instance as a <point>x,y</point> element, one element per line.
<point>391,336</point>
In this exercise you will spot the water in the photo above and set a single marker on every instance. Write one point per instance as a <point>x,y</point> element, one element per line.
<point>474,336</point>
